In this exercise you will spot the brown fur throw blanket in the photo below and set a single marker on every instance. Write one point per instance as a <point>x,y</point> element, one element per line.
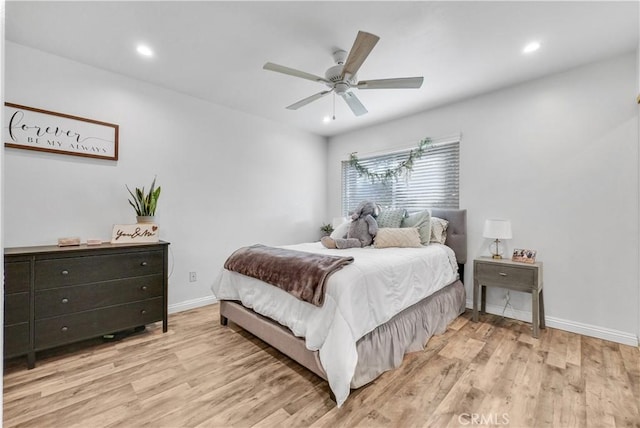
<point>299,273</point>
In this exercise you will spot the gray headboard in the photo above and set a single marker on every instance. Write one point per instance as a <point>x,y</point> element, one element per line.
<point>456,231</point>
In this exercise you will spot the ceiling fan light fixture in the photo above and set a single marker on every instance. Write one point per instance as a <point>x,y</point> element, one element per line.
<point>341,87</point>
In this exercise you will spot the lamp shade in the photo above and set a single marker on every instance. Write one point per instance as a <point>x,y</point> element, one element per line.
<point>497,229</point>
<point>337,221</point>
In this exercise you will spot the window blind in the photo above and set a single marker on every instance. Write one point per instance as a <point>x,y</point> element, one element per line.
<point>433,182</point>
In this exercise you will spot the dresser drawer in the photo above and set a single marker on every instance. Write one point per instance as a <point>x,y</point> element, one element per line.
<point>67,300</point>
<point>512,276</point>
<point>62,272</point>
<point>83,325</point>
<point>16,339</point>
<point>16,308</point>
<point>16,277</point>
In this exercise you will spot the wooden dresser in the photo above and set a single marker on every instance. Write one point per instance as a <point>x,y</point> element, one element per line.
<point>59,295</point>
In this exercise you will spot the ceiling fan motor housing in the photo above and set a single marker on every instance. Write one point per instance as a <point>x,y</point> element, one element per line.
<point>339,82</point>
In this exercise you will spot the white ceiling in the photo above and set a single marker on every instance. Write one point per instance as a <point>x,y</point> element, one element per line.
<point>215,50</point>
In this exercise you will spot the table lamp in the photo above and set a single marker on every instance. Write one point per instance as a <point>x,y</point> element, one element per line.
<point>337,221</point>
<point>497,229</point>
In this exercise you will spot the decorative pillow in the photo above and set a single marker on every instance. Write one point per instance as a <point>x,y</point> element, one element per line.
<point>438,230</point>
<point>341,230</point>
<point>422,221</point>
<point>391,218</point>
<point>397,237</point>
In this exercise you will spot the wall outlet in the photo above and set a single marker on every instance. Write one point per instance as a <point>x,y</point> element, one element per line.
<point>193,277</point>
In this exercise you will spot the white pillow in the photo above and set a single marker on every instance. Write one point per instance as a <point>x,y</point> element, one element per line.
<point>341,231</point>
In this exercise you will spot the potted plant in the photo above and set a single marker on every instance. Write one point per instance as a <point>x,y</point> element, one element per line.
<point>145,203</point>
<point>326,229</point>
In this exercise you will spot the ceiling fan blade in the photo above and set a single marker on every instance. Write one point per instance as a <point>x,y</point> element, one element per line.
<point>293,72</point>
<point>362,47</point>
<point>304,102</point>
<point>354,103</point>
<point>398,83</point>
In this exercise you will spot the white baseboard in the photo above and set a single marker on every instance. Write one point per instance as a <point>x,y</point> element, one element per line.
<point>604,333</point>
<point>572,326</point>
<point>192,304</point>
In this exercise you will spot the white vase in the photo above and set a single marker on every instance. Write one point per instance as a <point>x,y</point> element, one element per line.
<point>146,219</point>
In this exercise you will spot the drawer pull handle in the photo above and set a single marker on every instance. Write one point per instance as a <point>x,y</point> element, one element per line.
<point>65,300</point>
<point>143,312</point>
<point>65,272</point>
<point>502,274</point>
<point>144,288</point>
<point>143,264</point>
<point>64,329</point>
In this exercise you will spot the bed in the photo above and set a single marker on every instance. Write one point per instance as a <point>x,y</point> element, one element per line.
<point>387,303</point>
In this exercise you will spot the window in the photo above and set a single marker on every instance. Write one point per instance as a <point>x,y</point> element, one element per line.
<point>433,182</point>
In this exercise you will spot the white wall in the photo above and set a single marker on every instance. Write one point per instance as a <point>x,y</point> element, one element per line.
<point>228,179</point>
<point>559,157</point>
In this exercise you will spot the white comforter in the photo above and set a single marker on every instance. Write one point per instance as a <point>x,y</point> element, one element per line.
<point>379,284</point>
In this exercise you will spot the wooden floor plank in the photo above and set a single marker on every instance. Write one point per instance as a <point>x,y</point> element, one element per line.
<point>595,377</point>
<point>557,354</point>
<point>201,374</point>
<point>632,368</point>
<point>574,402</point>
<point>622,402</point>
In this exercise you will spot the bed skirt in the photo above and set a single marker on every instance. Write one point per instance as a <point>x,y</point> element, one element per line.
<point>380,350</point>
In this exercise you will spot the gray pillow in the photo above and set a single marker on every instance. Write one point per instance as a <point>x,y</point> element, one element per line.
<point>422,221</point>
<point>391,218</point>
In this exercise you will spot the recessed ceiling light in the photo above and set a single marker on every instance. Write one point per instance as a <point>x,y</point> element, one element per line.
<point>144,50</point>
<point>531,47</point>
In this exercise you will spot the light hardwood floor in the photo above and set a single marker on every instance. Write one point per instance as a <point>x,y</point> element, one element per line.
<point>490,373</point>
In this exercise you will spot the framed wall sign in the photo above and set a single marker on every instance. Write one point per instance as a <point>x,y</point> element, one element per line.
<point>47,131</point>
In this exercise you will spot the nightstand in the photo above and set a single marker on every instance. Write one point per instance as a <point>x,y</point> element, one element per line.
<point>503,273</point>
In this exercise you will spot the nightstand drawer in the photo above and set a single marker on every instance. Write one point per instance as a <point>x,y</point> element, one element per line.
<point>505,275</point>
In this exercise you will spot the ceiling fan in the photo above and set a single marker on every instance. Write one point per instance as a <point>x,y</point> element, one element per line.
<point>342,77</point>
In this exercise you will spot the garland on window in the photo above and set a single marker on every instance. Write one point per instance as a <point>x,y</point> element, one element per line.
<point>403,168</point>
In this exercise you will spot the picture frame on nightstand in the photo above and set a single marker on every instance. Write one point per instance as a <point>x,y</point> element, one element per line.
<point>523,255</point>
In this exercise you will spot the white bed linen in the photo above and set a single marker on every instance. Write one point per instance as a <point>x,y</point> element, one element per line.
<point>379,284</point>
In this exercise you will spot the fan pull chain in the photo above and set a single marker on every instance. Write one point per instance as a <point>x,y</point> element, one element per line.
<point>334,106</point>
